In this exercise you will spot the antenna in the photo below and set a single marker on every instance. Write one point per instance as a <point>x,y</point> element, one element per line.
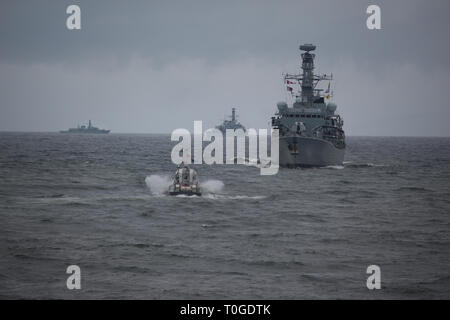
<point>307,47</point>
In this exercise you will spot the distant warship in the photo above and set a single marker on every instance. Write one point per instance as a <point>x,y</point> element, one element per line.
<point>311,133</point>
<point>86,129</point>
<point>232,124</point>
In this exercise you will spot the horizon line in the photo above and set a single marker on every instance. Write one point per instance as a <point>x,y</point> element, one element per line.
<point>167,133</point>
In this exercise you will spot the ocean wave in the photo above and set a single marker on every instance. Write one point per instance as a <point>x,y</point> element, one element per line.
<point>350,164</point>
<point>362,165</point>
<point>413,188</point>
<point>212,196</point>
<point>65,199</point>
<point>231,197</point>
<point>72,200</point>
<point>337,167</point>
<point>257,163</point>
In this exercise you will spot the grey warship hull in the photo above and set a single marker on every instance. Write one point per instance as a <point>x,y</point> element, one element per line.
<point>85,131</point>
<point>297,151</point>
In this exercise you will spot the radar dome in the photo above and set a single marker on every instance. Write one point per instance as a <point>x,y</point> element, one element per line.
<point>331,107</point>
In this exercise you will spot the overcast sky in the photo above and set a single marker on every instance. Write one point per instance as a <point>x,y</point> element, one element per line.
<point>154,66</point>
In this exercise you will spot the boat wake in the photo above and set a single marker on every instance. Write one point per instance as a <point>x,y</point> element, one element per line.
<point>350,164</point>
<point>211,189</point>
<point>159,185</point>
<point>212,186</point>
<point>231,197</point>
<point>337,167</point>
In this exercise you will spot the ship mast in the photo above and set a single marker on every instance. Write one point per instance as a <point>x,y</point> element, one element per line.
<point>308,72</point>
<point>308,80</point>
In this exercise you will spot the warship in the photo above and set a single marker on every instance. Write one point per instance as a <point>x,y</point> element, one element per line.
<point>86,129</point>
<point>311,132</point>
<point>232,124</point>
<point>185,182</point>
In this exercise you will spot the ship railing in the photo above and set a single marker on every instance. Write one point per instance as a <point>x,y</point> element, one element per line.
<point>333,134</point>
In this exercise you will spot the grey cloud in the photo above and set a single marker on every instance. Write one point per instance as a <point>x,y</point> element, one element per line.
<point>223,30</point>
<point>152,66</point>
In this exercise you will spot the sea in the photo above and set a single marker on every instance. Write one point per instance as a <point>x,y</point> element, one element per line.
<point>100,202</point>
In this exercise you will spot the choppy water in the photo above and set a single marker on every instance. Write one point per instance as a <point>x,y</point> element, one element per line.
<point>99,202</point>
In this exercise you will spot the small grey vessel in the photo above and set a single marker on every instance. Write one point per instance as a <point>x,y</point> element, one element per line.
<point>86,129</point>
<point>311,133</point>
<point>185,182</point>
<point>232,124</point>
